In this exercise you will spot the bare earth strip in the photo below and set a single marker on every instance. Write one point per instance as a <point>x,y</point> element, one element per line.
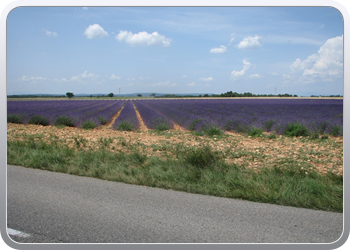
<point>143,127</point>
<point>111,122</point>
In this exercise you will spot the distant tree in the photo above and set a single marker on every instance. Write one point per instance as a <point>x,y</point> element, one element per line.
<point>69,94</point>
<point>139,95</point>
<point>153,94</point>
<point>205,95</point>
<point>200,96</point>
<point>110,95</point>
<point>90,96</point>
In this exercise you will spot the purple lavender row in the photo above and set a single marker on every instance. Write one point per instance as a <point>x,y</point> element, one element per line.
<point>186,119</point>
<point>152,118</point>
<point>128,115</point>
<point>267,114</point>
<point>99,111</point>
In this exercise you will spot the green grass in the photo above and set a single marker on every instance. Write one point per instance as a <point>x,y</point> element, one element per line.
<point>15,118</point>
<point>295,129</point>
<point>125,126</point>
<point>65,121</point>
<point>39,119</point>
<point>192,169</point>
<point>88,125</point>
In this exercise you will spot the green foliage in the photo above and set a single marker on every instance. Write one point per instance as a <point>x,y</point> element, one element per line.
<point>160,124</point>
<point>69,94</point>
<point>15,118</point>
<point>110,95</point>
<point>213,130</point>
<point>295,129</point>
<point>102,120</point>
<point>88,125</point>
<point>193,124</point>
<point>268,124</point>
<point>335,130</point>
<point>65,121</point>
<point>39,120</point>
<point>202,157</point>
<point>254,132</point>
<point>125,126</point>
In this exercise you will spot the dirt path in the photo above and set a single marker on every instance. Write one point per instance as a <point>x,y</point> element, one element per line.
<point>143,127</point>
<point>114,117</point>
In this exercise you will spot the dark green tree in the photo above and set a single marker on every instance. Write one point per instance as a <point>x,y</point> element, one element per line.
<point>69,94</point>
<point>110,95</point>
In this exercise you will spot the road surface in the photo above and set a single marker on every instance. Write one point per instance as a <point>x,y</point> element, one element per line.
<point>54,207</point>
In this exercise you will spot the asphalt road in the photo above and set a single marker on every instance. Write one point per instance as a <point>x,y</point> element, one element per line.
<point>54,207</point>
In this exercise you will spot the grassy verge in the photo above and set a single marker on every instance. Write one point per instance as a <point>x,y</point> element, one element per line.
<point>191,169</point>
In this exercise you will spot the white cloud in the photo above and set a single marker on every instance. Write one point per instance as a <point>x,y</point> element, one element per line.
<point>184,76</point>
<point>144,78</point>
<point>255,76</point>
<point>206,78</point>
<point>163,84</point>
<point>95,31</point>
<point>32,78</point>
<point>250,43</point>
<point>143,39</point>
<point>50,33</point>
<point>191,84</point>
<point>114,77</point>
<point>326,65</point>
<point>84,75</point>
<point>236,74</point>
<point>220,50</point>
<point>232,38</point>
<point>85,8</point>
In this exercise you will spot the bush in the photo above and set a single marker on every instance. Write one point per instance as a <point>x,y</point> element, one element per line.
<point>268,124</point>
<point>14,118</point>
<point>102,120</point>
<point>125,126</point>
<point>160,124</point>
<point>254,132</point>
<point>213,130</point>
<point>335,130</point>
<point>193,124</point>
<point>65,121</point>
<point>89,125</point>
<point>39,120</point>
<point>295,129</point>
<point>201,157</point>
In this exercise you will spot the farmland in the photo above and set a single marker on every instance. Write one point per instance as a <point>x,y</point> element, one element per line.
<point>282,151</point>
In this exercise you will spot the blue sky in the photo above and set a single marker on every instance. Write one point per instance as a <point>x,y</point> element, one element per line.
<point>295,50</point>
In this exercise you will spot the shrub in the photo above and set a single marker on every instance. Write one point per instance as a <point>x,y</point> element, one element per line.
<point>39,120</point>
<point>193,124</point>
<point>102,120</point>
<point>213,130</point>
<point>295,129</point>
<point>125,126</point>
<point>335,130</point>
<point>254,132</point>
<point>268,124</point>
<point>160,124</point>
<point>15,118</point>
<point>201,157</point>
<point>89,125</point>
<point>65,121</point>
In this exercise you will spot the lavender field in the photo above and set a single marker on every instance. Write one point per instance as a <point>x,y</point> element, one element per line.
<point>97,111</point>
<point>323,116</point>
